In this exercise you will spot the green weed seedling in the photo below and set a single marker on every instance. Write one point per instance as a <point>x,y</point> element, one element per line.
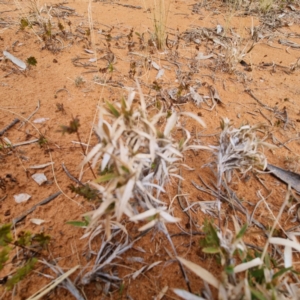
<point>245,273</point>
<point>24,23</point>
<point>42,141</point>
<point>30,246</point>
<point>31,61</point>
<point>82,224</point>
<point>79,81</point>
<point>86,191</point>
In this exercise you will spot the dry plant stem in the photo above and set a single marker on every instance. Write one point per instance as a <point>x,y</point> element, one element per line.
<point>276,221</point>
<point>175,252</point>
<point>83,152</point>
<point>29,211</point>
<point>248,91</point>
<point>70,175</point>
<point>3,198</point>
<point>30,116</point>
<point>49,287</point>
<point>180,199</point>
<point>55,180</point>
<point>10,125</point>
<point>22,144</point>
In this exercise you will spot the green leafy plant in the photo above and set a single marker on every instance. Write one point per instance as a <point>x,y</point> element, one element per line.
<point>83,223</point>
<point>24,23</point>
<point>86,191</point>
<point>42,141</point>
<point>245,274</point>
<point>31,61</point>
<point>29,245</point>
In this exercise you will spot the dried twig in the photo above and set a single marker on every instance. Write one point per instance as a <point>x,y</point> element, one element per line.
<point>30,116</point>
<point>29,211</point>
<point>22,144</point>
<point>10,125</point>
<point>248,91</point>
<point>71,176</point>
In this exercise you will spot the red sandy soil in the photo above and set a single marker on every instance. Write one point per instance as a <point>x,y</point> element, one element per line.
<point>268,74</point>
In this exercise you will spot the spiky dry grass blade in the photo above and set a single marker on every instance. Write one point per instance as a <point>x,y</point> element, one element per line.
<point>186,295</point>
<point>201,272</point>
<point>250,264</point>
<point>49,287</point>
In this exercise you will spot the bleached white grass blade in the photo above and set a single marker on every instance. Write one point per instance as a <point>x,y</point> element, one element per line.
<point>169,218</point>
<point>130,98</point>
<point>146,214</point>
<point>201,272</point>
<point>40,166</point>
<point>160,73</point>
<point>197,147</point>
<point>186,295</point>
<point>170,124</point>
<point>91,154</point>
<point>285,242</point>
<point>46,289</point>
<point>248,265</point>
<point>158,187</point>
<point>146,268</point>
<point>151,126</point>
<point>37,221</point>
<point>101,210</point>
<point>193,116</point>
<point>149,225</point>
<point>162,293</point>
<point>127,194</point>
<point>106,157</point>
<point>15,60</point>
<point>142,98</point>
<point>288,257</point>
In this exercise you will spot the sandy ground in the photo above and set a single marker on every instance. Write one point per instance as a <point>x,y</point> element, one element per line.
<point>65,83</point>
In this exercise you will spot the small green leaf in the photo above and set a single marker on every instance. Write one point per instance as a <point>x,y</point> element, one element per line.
<point>242,232</point>
<point>42,239</point>
<point>106,177</point>
<point>21,273</point>
<point>24,239</point>
<point>74,126</point>
<point>268,261</point>
<point>257,294</point>
<point>86,191</point>
<point>214,235</point>
<point>282,271</point>
<point>84,223</point>
<point>77,223</point>
<point>112,109</point>
<point>229,270</point>
<point>5,234</point>
<point>125,169</point>
<point>23,23</point>
<point>211,250</point>
<point>4,257</point>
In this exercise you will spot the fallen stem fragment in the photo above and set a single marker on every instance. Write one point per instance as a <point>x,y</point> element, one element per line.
<point>30,116</point>
<point>29,211</point>
<point>10,125</point>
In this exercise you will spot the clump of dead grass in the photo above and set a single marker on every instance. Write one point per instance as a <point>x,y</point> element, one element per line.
<point>135,158</point>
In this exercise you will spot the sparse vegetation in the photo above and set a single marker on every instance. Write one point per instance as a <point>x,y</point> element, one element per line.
<point>29,244</point>
<point>150,188</point>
